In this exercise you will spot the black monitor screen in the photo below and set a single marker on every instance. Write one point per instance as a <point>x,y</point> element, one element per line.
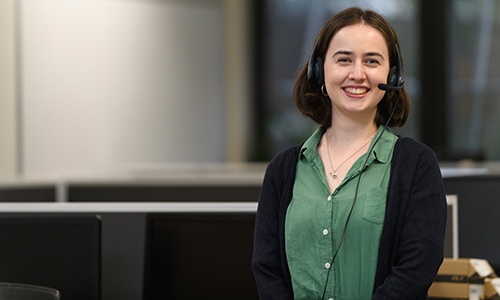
<point>199,255</point>
<point>61,252</point>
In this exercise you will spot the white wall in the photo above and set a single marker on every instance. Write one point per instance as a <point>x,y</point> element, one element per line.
<point>115,82</point>
<point>9,142</point>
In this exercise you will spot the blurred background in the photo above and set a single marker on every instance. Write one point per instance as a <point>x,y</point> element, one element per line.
<point>109,87</point>
<point>448,49</point>
<point>185,101</point>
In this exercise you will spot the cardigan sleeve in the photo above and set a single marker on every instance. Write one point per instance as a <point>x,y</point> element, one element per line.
<point>269,261</point>
<point>415,240</point>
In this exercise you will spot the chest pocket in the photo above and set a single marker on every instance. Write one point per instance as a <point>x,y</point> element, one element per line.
<point>374,209</point>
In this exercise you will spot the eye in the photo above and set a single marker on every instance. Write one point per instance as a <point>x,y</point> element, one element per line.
<point>343,60</point>
<point>372,61</point>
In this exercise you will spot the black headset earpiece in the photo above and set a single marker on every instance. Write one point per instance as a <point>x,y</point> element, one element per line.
<point>395,81</point>
<point>315,67</point>
<point>399,68</point>
<point>392,78</point>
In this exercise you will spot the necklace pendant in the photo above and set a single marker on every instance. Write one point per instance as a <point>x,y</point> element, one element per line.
<point>334,175</point>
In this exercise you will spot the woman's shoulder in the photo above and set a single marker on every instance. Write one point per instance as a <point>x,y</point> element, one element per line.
<point>410,153</point>
<point>410,146</point>
<point>287,156</point>
<point>283,165</point>
<point>280,172</point>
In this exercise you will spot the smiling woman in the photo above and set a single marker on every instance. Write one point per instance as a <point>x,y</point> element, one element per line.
<point>323,233</point>
<point>309,96</point>
<point>355,64</point>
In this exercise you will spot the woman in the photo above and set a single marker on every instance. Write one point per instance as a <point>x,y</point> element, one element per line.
<point>355,212</point>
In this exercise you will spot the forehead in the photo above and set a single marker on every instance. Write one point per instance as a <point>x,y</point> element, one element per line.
<point>359,38</point>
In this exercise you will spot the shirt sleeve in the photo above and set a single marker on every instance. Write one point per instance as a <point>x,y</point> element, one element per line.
<point>421,223</point>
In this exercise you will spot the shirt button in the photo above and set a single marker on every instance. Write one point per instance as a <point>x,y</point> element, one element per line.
<point>329,198</point>
<point>327,265</point>
<point>325,231</point>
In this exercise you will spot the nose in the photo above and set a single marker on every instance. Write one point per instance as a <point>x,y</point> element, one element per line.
<point>357,72</point>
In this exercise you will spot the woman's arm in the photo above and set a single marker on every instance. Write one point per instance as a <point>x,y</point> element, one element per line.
<point>269,263</point>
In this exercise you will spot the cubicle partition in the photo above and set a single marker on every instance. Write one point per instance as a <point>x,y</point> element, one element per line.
<point>193,254</point>
<point>478,215</point>
<point>204,186</point>
<point>131,209</point>
<point>147,250</point>
<point>57,251</point>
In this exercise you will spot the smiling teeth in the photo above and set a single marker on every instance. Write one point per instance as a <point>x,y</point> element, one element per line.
<point>356,91</point>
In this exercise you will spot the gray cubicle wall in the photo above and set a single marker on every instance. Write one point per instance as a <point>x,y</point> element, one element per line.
<point>56,251</point>
<point>479,216</point>
<point>213,184</point>
<point>124,238</point>
<point>131,192</point>
<point>478,201</point>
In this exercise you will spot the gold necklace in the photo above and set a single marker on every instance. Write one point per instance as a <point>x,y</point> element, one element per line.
<point>334,173</point>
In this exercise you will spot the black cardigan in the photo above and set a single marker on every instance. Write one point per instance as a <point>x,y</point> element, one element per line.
<point>411,246</point>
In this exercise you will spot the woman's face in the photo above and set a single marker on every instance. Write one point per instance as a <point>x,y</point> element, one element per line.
<point>357,60</point>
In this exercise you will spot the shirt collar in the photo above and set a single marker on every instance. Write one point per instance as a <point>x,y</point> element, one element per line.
<point>310,148</point>
<point>381,151</point>
<point>383,147</point>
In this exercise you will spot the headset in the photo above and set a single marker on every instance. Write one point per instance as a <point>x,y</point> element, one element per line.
<point>395,82</point>
<point>315,67</point>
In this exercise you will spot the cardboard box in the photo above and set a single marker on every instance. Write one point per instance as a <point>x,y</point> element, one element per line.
<point>492,288</point>
<point>455,291</point>
<point>461,279</point>
<point>465,270</point>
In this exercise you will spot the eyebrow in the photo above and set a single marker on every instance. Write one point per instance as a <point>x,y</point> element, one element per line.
<point>344,52</point>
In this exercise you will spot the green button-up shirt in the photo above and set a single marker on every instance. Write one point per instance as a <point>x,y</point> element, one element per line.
<point>316,219</point>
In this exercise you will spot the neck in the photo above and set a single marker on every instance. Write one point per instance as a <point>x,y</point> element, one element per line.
<point>345,131</point>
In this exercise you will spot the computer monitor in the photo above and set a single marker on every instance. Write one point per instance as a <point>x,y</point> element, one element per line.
<point>61,252</point>
<point>199,255</point>
<point>451,235</point>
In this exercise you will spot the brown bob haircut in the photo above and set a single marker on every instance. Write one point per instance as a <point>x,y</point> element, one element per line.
<point>307,93</point>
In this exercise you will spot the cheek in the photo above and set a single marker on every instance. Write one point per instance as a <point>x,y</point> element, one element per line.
<point>379,76</point>
<point>379,94</point>
<point>335,76</point>
<point>375,79</point>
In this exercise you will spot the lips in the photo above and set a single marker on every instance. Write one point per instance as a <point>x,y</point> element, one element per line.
<point>358,91</point>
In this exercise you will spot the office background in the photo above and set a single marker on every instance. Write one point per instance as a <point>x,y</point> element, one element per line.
<point>95,91</point>
<point>91,87</point>
<point>102,87</point>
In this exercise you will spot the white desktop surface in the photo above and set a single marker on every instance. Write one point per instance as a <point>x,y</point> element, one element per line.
<point>127,207</point>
